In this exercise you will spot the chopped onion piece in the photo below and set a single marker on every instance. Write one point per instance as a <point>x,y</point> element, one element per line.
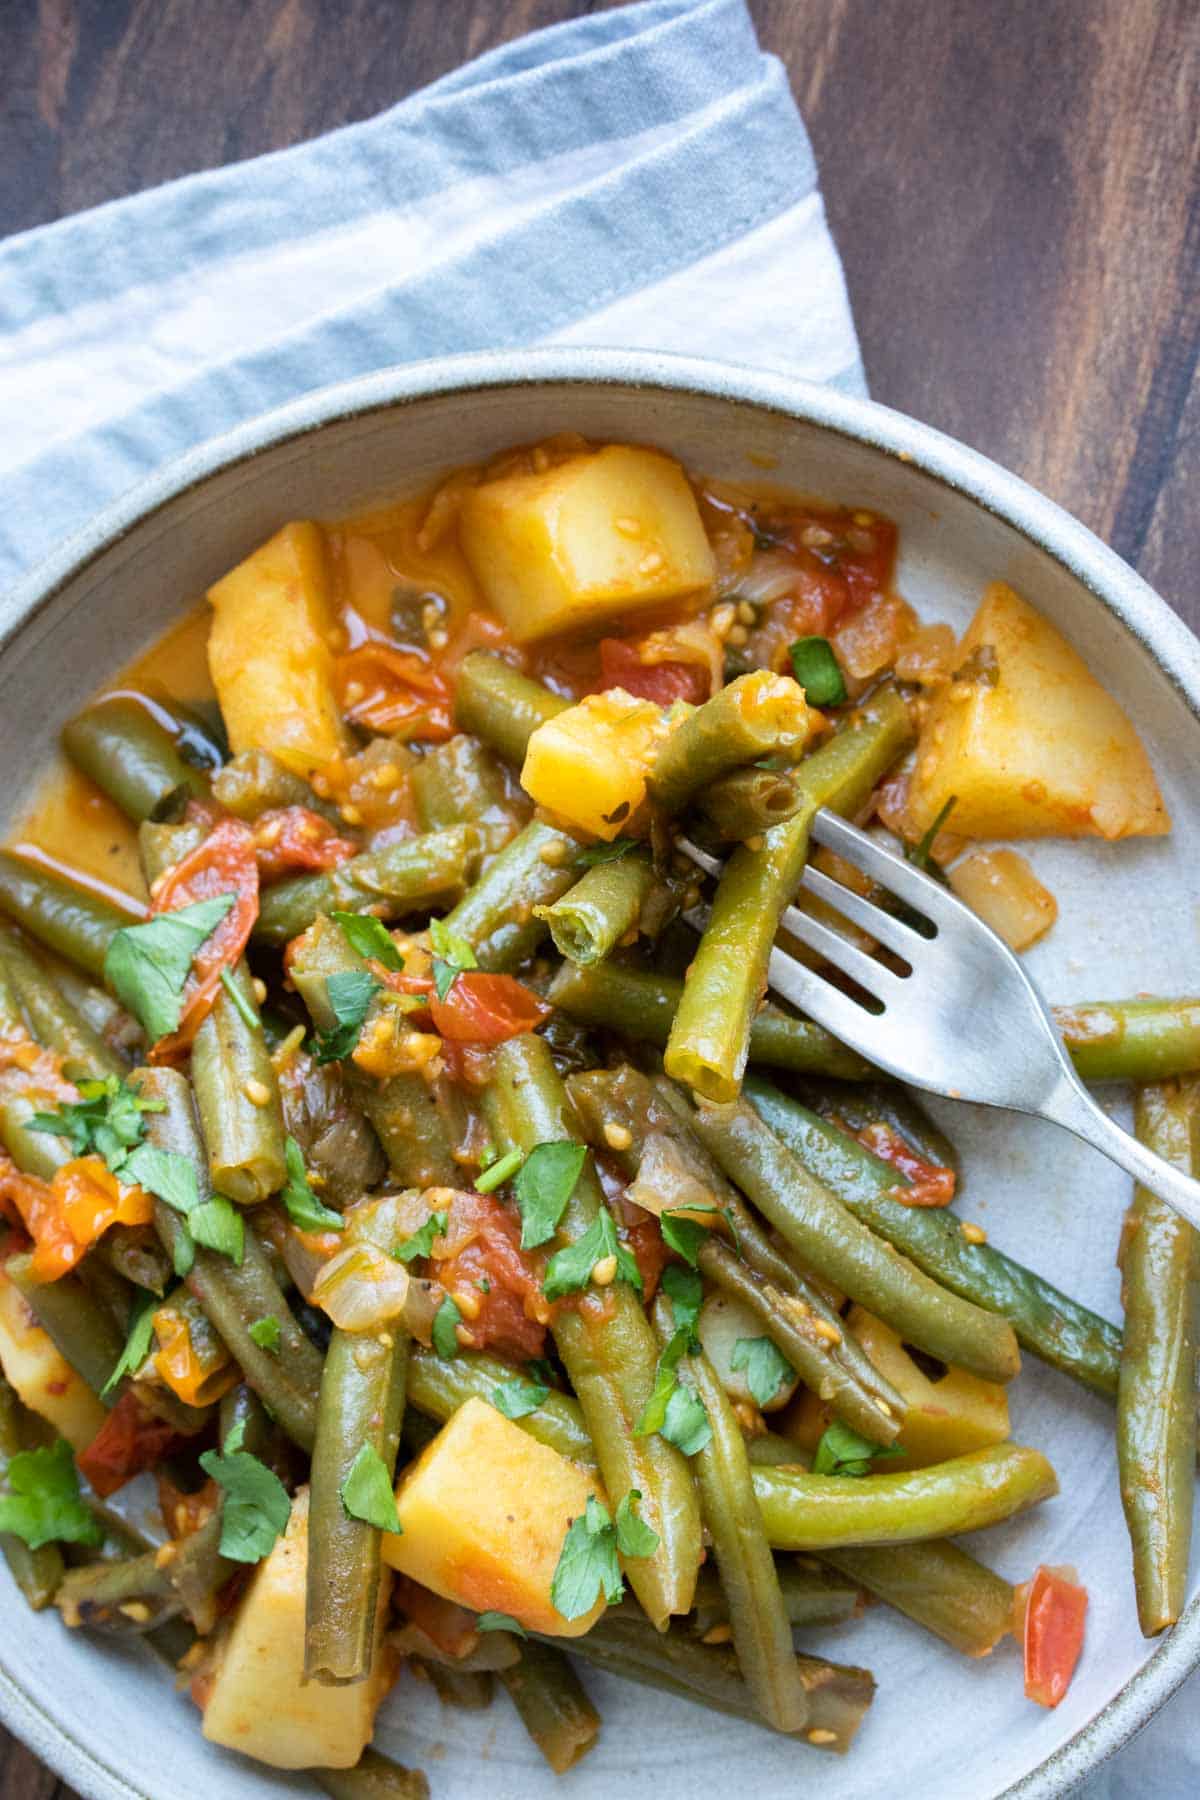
<point>1002,888</point>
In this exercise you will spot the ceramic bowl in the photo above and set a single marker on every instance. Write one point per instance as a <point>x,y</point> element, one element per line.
<point>106,1718</point>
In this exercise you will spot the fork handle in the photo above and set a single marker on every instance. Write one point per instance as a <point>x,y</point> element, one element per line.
<point>1072,1106</point>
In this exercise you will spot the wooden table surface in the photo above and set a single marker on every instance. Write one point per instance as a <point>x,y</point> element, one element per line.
<point>1013,187</point>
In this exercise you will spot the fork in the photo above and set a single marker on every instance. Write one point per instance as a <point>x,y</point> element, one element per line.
<point>964,1021</point>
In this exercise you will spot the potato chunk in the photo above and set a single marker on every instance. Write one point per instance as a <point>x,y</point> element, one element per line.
<point>592,538</point>
<point>43,1378</point>
<point>588,765</point>
<point>269,652</point>
<point>1033,746</point>
<point>256,1698</point>
<point>485,1510</point>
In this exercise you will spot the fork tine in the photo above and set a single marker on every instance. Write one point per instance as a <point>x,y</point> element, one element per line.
<point>885,927</point>
<point>921,891</point>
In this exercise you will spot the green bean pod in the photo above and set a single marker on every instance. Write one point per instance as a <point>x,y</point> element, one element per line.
<point>76,922</point>
<point>119,744</point>
<point>552,1704</point>
<point>53,1021</point>
<point>496,916</point>
<point>753,716</point>
<point>1156,1393</point>
<point>362,1403</point>
<point>36,1572</point>
<point>600,910</point>
<point>459,784</point>
<point>234,1297</point>
<point>373,1777</point>
<point>498,704</point>
<point>762,1631</point>
<point>937,1585</point>
<point>1132,1040</point>
<point>830,1240</point>
<point>824,1512</point>
<point>390,881</point>
<point>710,1035</point>
<point>1047,1323</point>
<point>608,1349</point>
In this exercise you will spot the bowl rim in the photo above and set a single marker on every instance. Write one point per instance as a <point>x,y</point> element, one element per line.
<point>1042,522</point>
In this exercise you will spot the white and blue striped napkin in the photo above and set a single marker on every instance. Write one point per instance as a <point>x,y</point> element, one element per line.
<point>638,178</point>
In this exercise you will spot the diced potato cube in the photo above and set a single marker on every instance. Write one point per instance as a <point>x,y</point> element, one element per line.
<point>589,539</point>
<point>269,652</point>
<point>723,1323</point>
<point>43,1378</point>
<point>947,1417</point>
<point>485,1510</point>
<point>256,1699</point>
<point>588,765</point>
<point>1034,746</point>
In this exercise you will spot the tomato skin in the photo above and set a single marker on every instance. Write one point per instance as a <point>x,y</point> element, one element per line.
<point>130,1440</point>
<point>486,1009</point>
<point>1055,1611</point>
<point>226,862</point>
<point>395,692</point>
<point>484,1240</point>
<point>663,683</point>
<point>292,839</point>
<point>931,1184</point>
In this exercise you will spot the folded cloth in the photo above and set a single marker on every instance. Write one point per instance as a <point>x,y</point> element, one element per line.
<point>638,178</point>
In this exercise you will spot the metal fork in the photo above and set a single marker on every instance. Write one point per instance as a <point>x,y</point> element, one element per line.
<point>966,1021</point>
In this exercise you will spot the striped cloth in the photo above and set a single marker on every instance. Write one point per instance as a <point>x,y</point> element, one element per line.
<point>639,178</point>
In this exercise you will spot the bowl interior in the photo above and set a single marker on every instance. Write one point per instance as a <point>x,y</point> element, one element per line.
<point>1127,923</point>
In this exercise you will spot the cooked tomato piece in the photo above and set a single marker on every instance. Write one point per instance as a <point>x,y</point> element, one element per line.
<point>501,1284</point>
<point>395,692</point>
<point>130,1440</point>
<point>289,839</point>
<point>930,1184</point>
<point>1055,1611</point>
<point>486,1009</point>
<point>663,683</point>
<point>225,863</point>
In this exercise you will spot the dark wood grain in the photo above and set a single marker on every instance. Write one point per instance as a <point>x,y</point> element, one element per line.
<point>1014,188</point>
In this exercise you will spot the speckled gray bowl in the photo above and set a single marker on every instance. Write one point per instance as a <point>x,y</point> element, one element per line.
<point>942,1727</point>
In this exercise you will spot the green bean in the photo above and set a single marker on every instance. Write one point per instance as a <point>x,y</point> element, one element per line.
<point>252,783</point>
<point>642,1004</point>
<point>937,1585</point>
<point>756,715</point>
<point>710,1036</point>
<point>237,1093</point>
<point>608,1349</point>
<point>53,1021</point>
<point>812,1595</point>
<point>793,1313</point>
<point>373,1777</point>
<point>234,1297</point>
<point>1047,1323</point>
<point>497,703</point>
<point>119,744</point>
<point>1156,1394</point>
<point>762,1631</point>
<point>1132,1040</point>
<point>496,916</point>
<point>554,1708</point>
<point>36,1572</point>
<point>830,1240</point>
<point>459,784</point>
<point>439,1387</point>
<point>601,909</point>
<point>126,1597</point>
<point>871,1103</point>
<point>362,1403</point>
<point>390,882</point>
<point>77,922</point>
<point>750,801</point>
<point>83,1330</point>
<point>822,1512</point>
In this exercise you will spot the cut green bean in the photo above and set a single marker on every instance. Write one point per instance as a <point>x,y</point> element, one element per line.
<point>76,922</point>
<point>710,1035</point>
<point>762,1632</point>
<point>496,916</point>
<point>36,1572</point>
<point>119,744</point>
<point>607,1347</point>
<point>234,1297</point>
<point>373,1777</point>
<point>937,1585</point>
<point>552,1704</point>
<point>389,882</point>
<point>600,910</point>
<point>830,1240</point>
<point>1156,1394</point>
<point>755,715</point>
<point>501,706</point>
<point>824,1512</point>
<point>361,1405</point>
<point>1047,1323</point>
